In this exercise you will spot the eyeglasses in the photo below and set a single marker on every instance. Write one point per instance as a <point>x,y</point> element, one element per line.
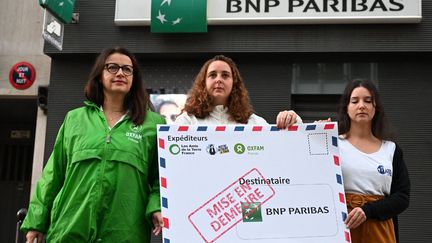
<point>114,68</point>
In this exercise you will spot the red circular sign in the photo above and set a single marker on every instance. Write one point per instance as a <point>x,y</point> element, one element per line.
<point>22,75</point>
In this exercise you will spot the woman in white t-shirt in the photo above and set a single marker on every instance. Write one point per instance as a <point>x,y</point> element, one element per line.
<point>375,176</point>
<point>219,96</point>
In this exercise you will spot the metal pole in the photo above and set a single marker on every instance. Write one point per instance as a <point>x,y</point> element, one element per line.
<point>21,214</point>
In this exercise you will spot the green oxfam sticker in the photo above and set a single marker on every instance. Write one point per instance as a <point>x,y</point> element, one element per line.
<point>239,148</point>
<point>251,212</point>
<point>174,149</point>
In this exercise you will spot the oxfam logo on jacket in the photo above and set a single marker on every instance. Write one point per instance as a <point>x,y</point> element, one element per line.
<point>135,128</point>
<point>134,133</point>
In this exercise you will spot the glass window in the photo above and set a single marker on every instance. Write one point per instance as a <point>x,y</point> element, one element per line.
<point>329,78</point>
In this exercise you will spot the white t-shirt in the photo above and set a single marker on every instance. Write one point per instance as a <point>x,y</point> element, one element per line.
<point>368,174</point>
<point>219,115</point>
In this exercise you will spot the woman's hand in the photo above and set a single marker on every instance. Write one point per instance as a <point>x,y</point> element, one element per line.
<point>32,235</point>
<point>355,218</point>
<point>157,223</point>
<point>285,119</point>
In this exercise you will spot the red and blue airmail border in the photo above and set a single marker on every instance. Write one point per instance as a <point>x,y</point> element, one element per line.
<point>231,191</point>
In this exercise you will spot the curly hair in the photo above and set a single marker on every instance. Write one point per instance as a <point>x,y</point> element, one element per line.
<point>380,125</point>
<point>200,103</point>
<point>136,101</point>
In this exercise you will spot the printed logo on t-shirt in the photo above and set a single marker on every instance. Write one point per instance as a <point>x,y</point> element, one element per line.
<point>384,171</point>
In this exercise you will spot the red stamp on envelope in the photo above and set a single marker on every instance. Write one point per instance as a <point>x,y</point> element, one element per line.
<point>234,204</point>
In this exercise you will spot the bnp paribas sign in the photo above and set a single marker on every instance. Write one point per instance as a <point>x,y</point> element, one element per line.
<point>256,12</point>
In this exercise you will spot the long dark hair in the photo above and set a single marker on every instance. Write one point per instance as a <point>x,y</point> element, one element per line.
<point>136,101</point>
<point>200,103</point>
<point>380,125</point>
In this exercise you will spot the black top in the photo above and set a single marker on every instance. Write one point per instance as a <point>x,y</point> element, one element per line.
<point>398,200</point>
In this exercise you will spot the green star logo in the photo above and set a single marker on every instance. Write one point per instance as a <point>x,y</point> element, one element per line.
<point>161,17</point>
<point>251,212</point>
<point>168,16</point>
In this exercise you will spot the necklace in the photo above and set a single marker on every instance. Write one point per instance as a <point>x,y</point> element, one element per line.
<point>113,117</point>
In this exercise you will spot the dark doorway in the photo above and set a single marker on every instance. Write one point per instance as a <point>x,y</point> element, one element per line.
<point>17,135</point>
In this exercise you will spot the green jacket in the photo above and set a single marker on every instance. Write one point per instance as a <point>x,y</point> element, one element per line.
<point>99,185</point>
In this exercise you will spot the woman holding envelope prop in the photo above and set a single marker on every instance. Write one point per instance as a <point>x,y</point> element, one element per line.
<point>376,180</point>
<point>219,96</point>
<point>101,181</point>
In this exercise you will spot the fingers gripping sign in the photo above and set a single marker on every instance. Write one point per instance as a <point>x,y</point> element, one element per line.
<point>355,218</point>
<point>285,119</point>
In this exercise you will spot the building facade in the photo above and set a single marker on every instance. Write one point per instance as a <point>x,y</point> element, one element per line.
<point>22,123</point>
<point>285,66</point>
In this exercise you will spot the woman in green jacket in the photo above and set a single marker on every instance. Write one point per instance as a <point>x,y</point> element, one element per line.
<point>101,182</point>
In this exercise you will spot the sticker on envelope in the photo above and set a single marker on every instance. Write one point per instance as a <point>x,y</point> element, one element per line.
<point>293,216</point>
<point>236,203</point>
